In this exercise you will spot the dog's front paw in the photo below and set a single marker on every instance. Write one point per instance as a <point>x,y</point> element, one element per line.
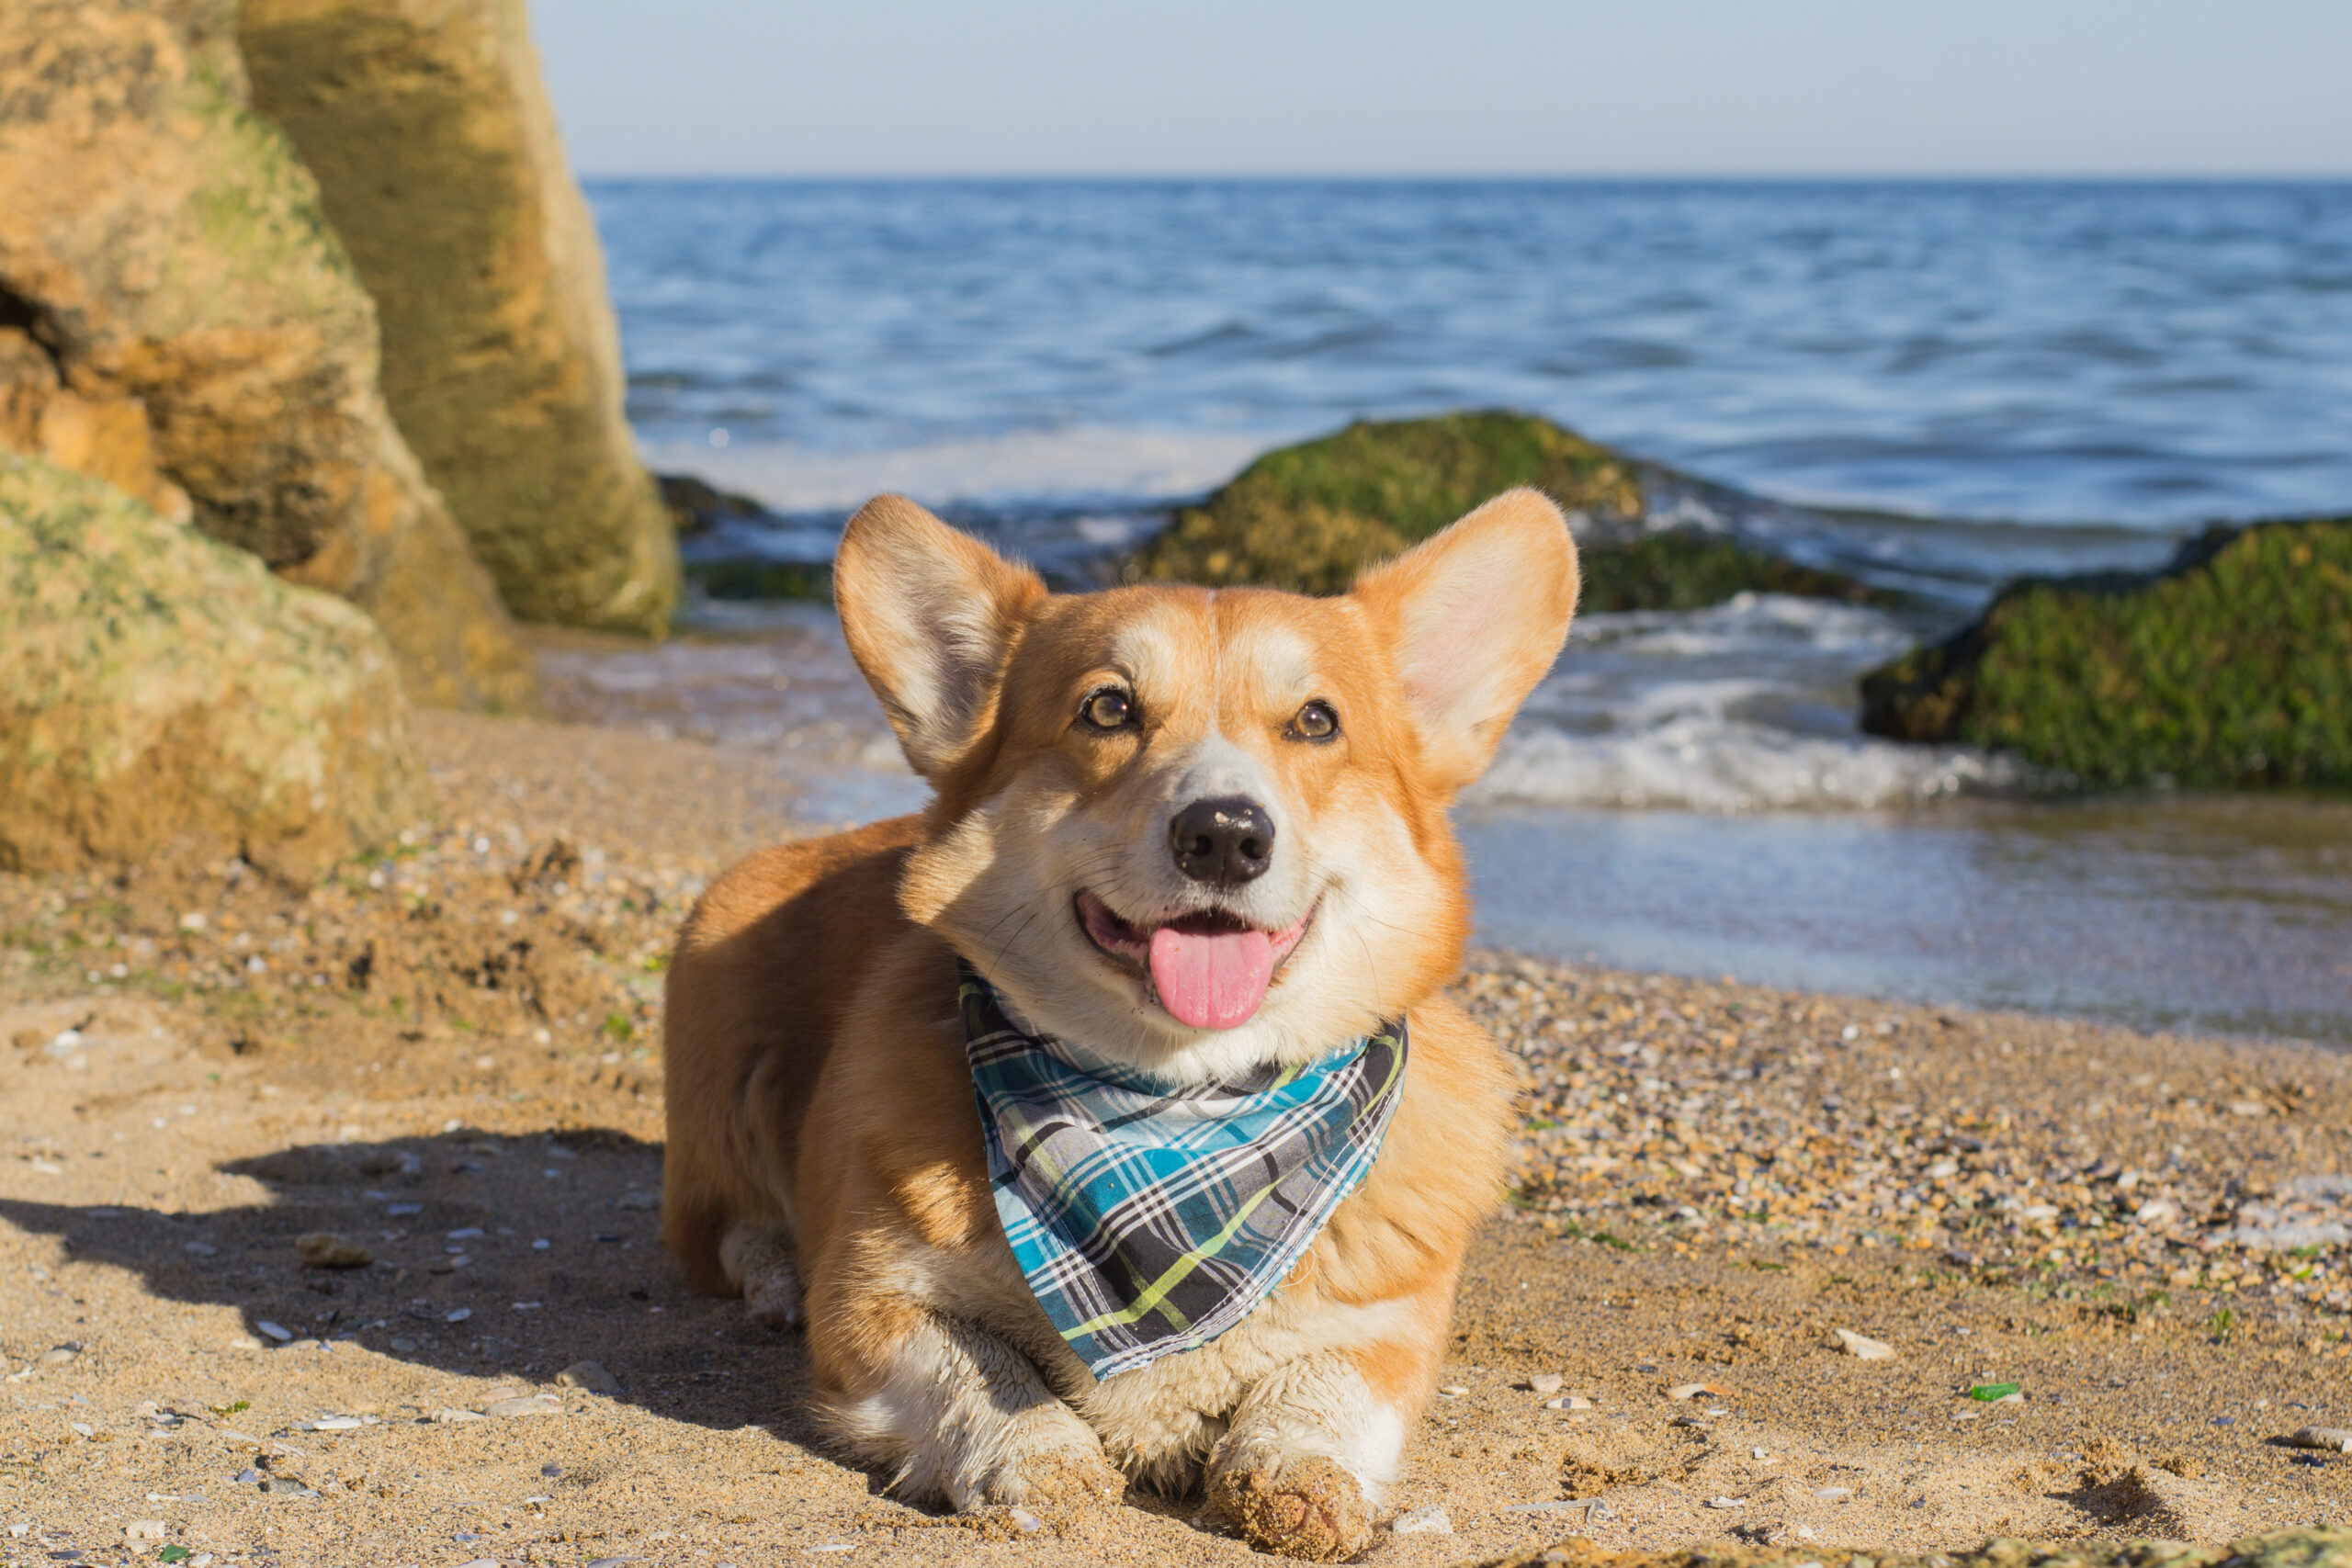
<point>1308,1507</point>
<point>1066,1480</point>
<point>1050,1469</point>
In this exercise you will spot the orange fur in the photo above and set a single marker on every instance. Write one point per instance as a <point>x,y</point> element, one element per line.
<point>820,1112</point>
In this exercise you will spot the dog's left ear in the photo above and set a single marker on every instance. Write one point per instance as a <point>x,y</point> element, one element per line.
<point>1476,614</point>
<point>931,616</point>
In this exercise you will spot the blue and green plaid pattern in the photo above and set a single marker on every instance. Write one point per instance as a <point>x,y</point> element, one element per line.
<point>1149,1220</point>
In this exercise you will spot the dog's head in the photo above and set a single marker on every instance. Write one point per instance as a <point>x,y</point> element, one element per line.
<point>1195,831</point>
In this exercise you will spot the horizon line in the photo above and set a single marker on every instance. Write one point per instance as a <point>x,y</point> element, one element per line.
<point>1464,176</point>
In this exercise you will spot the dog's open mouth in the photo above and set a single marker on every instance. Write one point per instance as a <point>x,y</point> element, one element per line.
<point>1209,970</point>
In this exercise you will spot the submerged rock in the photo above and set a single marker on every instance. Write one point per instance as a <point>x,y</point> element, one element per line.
<point>440,167</point>
<point>175,317</point>
<point>1310,517</point>
<point>156,684</point>
<point>2232,666</point>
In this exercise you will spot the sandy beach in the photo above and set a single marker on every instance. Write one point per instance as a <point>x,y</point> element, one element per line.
<point>446,1065</point>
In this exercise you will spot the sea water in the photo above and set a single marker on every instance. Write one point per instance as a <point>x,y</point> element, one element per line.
<point>1936,386</point>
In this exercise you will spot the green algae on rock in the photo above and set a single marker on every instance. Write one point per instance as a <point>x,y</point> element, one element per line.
<point>181,319</point>
<point>1688,568</point>
<point>2319,1546</point>
<point>1310,517</point>
<point>156,686</point>
<point>2230,667</point>
<point>439,164</point>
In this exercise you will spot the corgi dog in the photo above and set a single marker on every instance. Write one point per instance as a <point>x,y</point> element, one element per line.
<point>1188,857</point>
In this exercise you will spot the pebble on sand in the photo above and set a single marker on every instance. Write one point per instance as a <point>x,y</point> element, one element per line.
<point>325,1249</point>
<point>58,1355</point>
<point>1428,1520</point>
<point>277,1331</point>
<point>1685,1390</point>
<point>526,1404</point>
<point>590,1375</point>
<point>1546,1383</point>
<point>2334,1439</point>
<point>1861,1347</point>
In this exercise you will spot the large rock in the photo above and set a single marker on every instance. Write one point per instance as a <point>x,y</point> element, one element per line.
<point>436,152</point>
<point>177,317</point>
<point>1309,517</point>
<point>156,686</point>
<point>2232,666</point>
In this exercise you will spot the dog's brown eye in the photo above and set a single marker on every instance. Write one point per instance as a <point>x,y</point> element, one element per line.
<point>1315,721</point>
<point>1107,709</point>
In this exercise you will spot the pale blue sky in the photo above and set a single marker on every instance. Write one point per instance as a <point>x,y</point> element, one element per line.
<point>1467,86</point>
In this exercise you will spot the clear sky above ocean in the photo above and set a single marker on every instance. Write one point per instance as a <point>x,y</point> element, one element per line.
<point>1471,86</point>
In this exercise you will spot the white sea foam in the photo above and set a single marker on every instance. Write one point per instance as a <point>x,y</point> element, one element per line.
<point>1068,465</point>
<point>1746,705</point>
<point>1712,764</point>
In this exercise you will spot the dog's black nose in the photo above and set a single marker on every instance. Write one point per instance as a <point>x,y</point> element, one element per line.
<point>1229,840</point>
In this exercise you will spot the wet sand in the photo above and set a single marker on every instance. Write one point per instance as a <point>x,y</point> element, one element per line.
<point>451,1056</point>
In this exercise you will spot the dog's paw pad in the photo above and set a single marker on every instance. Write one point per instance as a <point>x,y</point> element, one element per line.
<point>1310,1508</point>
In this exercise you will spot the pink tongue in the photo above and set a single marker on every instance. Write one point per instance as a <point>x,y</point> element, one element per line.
<point>1211,981</point>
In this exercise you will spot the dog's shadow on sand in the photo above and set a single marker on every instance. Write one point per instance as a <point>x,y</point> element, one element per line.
<point>493,1256</point>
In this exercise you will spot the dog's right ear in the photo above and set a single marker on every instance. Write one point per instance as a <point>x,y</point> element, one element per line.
<point>930,614</point>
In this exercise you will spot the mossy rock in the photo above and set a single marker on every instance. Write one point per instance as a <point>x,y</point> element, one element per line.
<point>157,687</point>
<point>696,506</point>
<point>439,164</point>
<point>2231,667</point>
<point>2315,1547</point>
<point>763,579</point>
<point>1310,517</point>
<point>178,317</point>
<point>1686,569</point>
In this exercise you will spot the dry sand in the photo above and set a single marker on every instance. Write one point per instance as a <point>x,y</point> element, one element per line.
<point>449,1061</point>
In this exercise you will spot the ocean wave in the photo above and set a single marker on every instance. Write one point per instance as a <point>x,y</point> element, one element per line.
<point>1745,706</point>
<point>1702,764</point>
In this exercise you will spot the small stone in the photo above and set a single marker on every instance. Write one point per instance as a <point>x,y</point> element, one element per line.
<point>457,1314</point>
<point>288,1484</point>
<point>1570,1401</point>
<point>1722,1502</point>
<point>590,1375</point>
<point>1861,1347</point>
<point>1452,1391</point>
<point>1835,1492</point>
<point>59,1356</point>
<point>278,1332</point>
<point>403,1345</point>
<point>448,1417</point>
<point>1024,1521</point>
<point>1545,1383</point>
<point>324,1249</point>
<point>1427,1521</point>
<point>1685,1390</point>
<point>143,1532</point>
<point>525,1404</point>
<point>2334,1439</point>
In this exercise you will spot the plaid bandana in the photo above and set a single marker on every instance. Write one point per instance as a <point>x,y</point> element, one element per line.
<point>1149,1220</point>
